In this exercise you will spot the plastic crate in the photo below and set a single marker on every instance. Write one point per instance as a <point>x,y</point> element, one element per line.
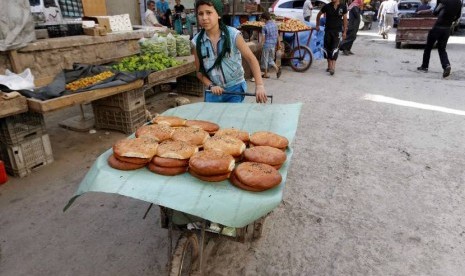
<point>190,85</point>
<point>17,128</point>
<point>109,117</point>
<point>62,30</point>
<point>127,101</point>
<point>22,159</point>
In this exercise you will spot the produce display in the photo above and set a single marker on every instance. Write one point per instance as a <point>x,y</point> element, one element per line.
<point>183,45</point>
<point>254,23</point>
<point>212,159</point>
<point>171,44</point>
<point>150,62</point>
<point>154,45</point>
<point>88,81</point>
<point>293,25</point>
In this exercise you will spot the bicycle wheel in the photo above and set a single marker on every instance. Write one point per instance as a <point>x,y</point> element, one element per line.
<point>301,58</point>
<point>185,260</point>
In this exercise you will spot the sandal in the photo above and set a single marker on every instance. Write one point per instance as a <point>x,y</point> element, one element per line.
<point>265,77</point>
<point>278,73</point>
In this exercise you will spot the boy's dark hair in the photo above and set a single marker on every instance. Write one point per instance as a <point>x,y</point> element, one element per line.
<point>266,15</point>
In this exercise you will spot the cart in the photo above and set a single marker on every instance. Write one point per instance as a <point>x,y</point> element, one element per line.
<point>202,210</point>
<point>413,30</point>
<point>300,56</point>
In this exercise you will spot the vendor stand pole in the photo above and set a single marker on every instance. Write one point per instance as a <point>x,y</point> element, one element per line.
<point>83,122</point>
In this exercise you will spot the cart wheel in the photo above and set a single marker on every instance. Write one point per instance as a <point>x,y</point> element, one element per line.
<point>398,44</point>
<point>251,232</point>
<point>258,228</point>
<point>301,58</point>
<point>185,260</point>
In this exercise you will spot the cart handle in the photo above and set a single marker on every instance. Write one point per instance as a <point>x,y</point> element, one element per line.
<point>240,94</point>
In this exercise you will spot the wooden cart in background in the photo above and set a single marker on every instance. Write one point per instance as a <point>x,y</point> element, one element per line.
<point>413,30</point>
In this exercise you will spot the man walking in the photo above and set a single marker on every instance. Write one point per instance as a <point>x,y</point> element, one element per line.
<point>390,10</point>
<point>336,18</point>
<point>355,9</point>
<point>447,12</point>
<point>307,10</point>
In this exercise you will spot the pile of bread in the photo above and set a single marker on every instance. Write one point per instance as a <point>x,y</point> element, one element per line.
<point>173,145</point>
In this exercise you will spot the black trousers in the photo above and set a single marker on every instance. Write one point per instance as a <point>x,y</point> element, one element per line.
<point>441,35</point>
<point>354,24</point>
<point>331,44</point>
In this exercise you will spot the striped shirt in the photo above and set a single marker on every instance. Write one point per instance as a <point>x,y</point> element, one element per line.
<point>270,30</point>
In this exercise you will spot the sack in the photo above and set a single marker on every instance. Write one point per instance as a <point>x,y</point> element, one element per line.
<point>183,45</point>
<point>154,45</point>
<point>24,80</point>
<point>171,44</point>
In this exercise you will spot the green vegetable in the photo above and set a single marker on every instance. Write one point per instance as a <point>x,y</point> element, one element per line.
<point>146,62</point>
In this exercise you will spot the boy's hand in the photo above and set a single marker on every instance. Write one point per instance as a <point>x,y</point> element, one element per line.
<point>217,90</point>
<point>260,94</point>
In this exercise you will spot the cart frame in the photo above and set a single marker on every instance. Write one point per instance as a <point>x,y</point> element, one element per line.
<point>301,50</point>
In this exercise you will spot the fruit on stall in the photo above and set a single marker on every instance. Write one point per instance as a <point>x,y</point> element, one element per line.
<point>293,25</point>
<point>254,23</point>
<point>146,62</point>
<point>88,81</point>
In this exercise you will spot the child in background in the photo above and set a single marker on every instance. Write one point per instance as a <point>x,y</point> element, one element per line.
<point>270,32</point>
<point>218,51</point>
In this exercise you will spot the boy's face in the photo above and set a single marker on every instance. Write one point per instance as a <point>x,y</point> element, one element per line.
<point>177,2</point>
<point>208,17</point>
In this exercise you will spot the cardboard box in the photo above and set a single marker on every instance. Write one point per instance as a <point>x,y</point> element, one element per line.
<point>94,7</point>
<point>115,23</point>
<point>96,31</point>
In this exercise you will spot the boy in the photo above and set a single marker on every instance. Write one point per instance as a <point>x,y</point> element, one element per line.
<point>270,31</point>
<point>336,17</point>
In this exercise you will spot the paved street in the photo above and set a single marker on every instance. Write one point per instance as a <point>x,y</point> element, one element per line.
<point>376,184</point>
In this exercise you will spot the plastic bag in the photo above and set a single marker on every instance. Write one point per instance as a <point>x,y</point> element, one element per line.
<point>154,45</point>
<point>171,43</point>
<point>183,45</point>
<point>24,80</point>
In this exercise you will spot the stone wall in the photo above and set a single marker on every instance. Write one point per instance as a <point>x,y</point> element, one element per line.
<point>4,63</point>
<point>48,57</point>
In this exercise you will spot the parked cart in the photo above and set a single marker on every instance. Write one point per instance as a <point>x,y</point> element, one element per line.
<point>299,55</point>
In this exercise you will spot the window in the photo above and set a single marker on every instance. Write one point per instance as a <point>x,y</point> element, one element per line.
<point>71,8</point>
<point>298,4</point>
<point>286,5</point>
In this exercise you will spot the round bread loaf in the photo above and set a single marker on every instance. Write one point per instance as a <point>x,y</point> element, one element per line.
<point>124,166</point>
<point>212,178</point>
<point>266,138</point>
<point>257,175</point>
<point>133,160</point>
<point>169,120</point>
<point>169,162</point>
<point>211,162</point>
<point>234,132</point>
<point>176,149</point>
<point>192,135</point>
<point>142,147</point>
<point>265,154</point>
<point>158,132</point>
<point>166,171</point>
<point>205,125</point>
<point>235,181</point>
<point>226,144</point>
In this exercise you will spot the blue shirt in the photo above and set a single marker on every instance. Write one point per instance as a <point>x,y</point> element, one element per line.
<point>270,30</point>
<point>230,71</point>
<point>162,7</point>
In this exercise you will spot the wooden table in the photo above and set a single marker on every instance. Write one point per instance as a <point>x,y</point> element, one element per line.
<point>153,79</point>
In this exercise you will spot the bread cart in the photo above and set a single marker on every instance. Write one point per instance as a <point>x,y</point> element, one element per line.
<point>202,209</point>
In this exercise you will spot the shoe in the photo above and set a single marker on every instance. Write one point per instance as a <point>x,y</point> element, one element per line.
<point>265,76</point>
<point>423,69</point>
<point>345,52</point>
<point>351,53</point>
<point>331,72</point>
<point>327,70</point>
<point>278,73</point>
<point>446,72</point>
<point>384,35</point>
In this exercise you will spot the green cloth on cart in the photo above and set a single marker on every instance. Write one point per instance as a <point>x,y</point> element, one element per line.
<point>219,202</point>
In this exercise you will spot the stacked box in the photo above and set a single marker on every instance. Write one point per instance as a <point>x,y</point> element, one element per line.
<point>190,85</point>
<point>24,143</point>
<point>123,112</point>
<point>29,155</point>
<point>18,128</point>
<point>126,101</point>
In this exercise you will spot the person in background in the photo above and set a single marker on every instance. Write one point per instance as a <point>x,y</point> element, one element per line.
<point>424,8</point>
<point>270,31</point>
<point>218,51</point>
<point>149,16</point>
<point>336,22</point>
<point>390,10</point>
<point>355,9</point>
<point>381,17</point>
<point>178,10</point>
<point>307,10</point>
<point>447,12</point>
<point>164,13</point>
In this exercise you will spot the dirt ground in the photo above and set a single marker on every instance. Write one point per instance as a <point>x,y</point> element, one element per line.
<point>376,185</point>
